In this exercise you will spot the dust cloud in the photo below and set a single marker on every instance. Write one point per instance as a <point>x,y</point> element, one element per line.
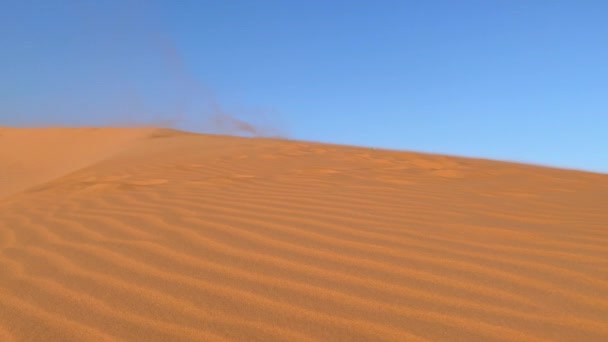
<point>213,116</point>
<point>128,71</point>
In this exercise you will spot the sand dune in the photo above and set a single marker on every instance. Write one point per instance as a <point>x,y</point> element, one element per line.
<point>160,235</point>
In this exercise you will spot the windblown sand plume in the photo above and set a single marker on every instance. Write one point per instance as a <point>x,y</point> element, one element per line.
<point>159,235</point>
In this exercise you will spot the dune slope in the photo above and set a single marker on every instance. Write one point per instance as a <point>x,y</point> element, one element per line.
<point>32,156</point>
<point>160,235</point>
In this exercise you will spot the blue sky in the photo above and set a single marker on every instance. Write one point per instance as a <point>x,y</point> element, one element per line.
<point>502,79</point>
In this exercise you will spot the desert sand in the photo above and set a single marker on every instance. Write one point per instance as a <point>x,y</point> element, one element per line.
<point>147,234</point>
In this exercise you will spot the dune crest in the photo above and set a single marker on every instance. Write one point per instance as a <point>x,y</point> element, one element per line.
<point>160,235</point>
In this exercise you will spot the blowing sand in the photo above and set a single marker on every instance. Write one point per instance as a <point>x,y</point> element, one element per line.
<point>160,235</point>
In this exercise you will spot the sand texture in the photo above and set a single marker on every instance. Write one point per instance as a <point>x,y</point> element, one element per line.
<point>148,234</point>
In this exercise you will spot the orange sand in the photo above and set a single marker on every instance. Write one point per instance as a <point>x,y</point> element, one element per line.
<point>158,235</point>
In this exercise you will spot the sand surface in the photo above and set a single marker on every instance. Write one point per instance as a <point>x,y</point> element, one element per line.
<point>158,235</point>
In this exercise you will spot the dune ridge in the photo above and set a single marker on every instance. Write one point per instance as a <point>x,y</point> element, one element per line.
<point>110,234</point>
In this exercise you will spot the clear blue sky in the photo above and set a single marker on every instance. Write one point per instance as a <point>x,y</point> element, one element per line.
<point>514,80</point>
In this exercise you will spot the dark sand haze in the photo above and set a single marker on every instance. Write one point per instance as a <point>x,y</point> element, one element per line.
<point>203,104</point>
<point>145,234</point>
